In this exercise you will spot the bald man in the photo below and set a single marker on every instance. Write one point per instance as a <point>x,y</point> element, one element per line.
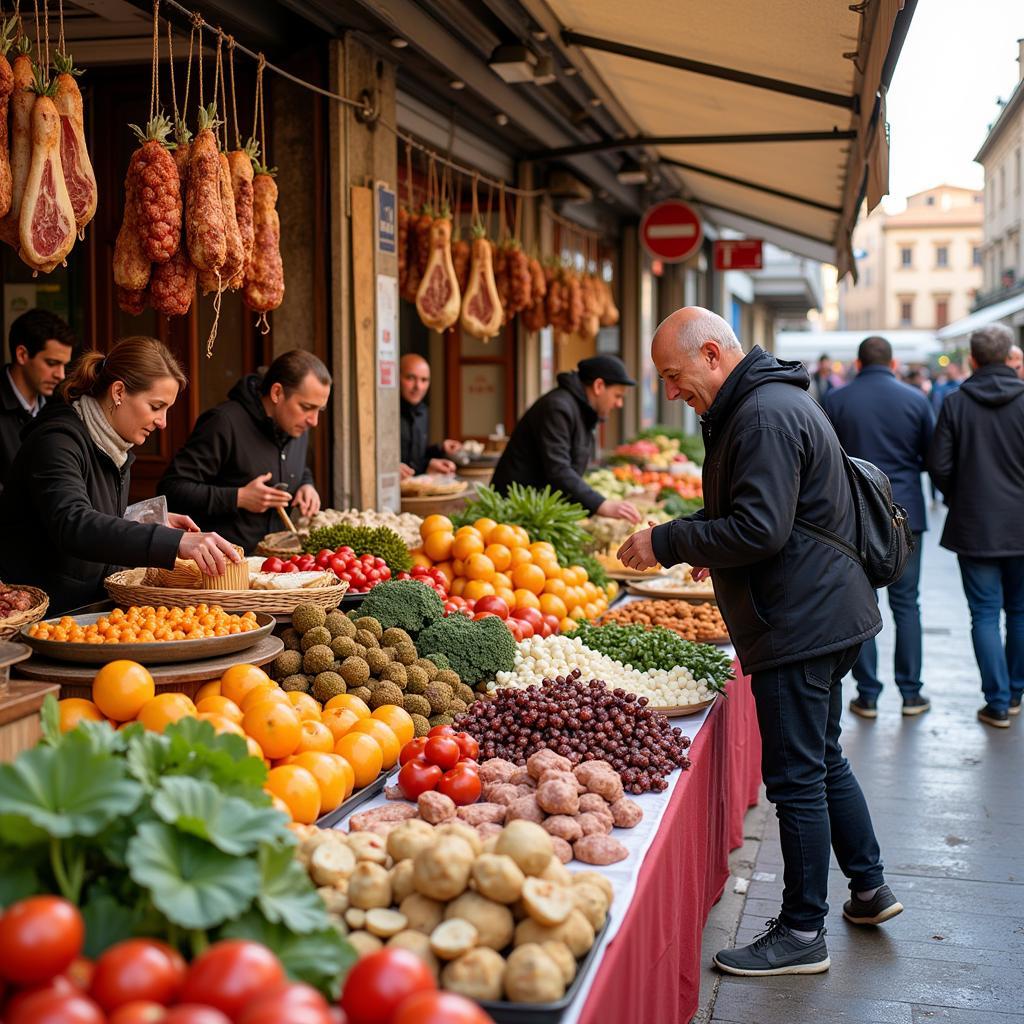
<point>798,610</point>
<point>418,456</point>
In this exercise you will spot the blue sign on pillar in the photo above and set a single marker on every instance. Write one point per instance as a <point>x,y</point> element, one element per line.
<point>386,219</point>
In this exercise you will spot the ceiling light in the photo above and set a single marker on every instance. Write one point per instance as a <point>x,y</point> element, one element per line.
<point>399,43</point>
<point>632,173</point>
<point>544,72</point>
<point>513,63</point>
<point>457,84</point>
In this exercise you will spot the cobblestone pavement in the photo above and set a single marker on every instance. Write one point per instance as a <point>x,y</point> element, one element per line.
<point>945,796</point>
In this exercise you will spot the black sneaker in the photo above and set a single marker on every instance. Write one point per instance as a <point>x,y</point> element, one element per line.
<point>1015,704</point>
<point>916,705</point>
<point>990,716</point>
<point>879,908</point>
<point>775,951</point>
<point>864,707</point>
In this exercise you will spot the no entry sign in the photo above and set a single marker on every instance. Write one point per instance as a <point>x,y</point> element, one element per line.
<point>671,231</point>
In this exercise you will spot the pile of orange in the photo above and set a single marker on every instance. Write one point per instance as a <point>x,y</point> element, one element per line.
<point>498,558</point>
<point>316,756</point>
<point>147,624</point>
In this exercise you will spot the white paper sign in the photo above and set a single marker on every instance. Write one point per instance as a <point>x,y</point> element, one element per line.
<point>387,331</point>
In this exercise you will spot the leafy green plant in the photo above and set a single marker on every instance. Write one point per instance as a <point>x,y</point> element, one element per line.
<point>379,541</point>
<point>168,835</point>
<point>677,506</point>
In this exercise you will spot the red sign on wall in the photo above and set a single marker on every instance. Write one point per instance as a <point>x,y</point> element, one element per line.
<point>738,254</point>
<point>671,231</point>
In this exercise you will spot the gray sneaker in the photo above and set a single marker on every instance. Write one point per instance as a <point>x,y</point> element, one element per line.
<point>775,951</point>
<point>879,908</point>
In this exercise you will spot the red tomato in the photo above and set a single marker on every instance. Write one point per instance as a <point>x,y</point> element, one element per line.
<point>60,984</point>
<point>344,550</point>
<point>294,1004</point>
<point>469,749</point>
<point>532,616</point>
<point>51,1007</point>
<point>459,602</point>
<point>462,784</point>
<point>450,606</point>
<point>515,628</point>
<point>545,628</point>
<point>272,564</point>
<point>136,969</point>
<point>230,974</point>
<point>192,1013</point>
<point>493,604</point>
<point>439,1008</point>
<point>554,622</point>
<point>442,751</point>
<point>139,1012</point>
<point>39,937</point>
<point>441,730</point>
<point>403,576</point>
<point>289,567</point>
<point>381,982</point>
<point>526,628</point>
<point>323,557</point>
<point>82,969</point>
<point>414,748</point>
<point>418,776</point>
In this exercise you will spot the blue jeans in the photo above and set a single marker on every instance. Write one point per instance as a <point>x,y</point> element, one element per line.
<point>906,613</point>
<point>993,585</point>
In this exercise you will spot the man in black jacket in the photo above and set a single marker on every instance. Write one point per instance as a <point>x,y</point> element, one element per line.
<point>553,443</point>
<point>975,461</point>
<point>246,458</point>
<point>418,454</point>
<point>797,610</point>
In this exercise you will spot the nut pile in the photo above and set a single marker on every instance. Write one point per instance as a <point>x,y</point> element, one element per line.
<point>13,600</point>
<point>581,721</point>
<point>698,622</point>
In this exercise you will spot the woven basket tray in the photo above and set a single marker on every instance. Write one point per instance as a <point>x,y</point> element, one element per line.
<point>129,587</point>
<point>10,626</point>
<point>273,545</point>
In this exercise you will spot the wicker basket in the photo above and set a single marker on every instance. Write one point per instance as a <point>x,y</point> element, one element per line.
<point>12,625</point>
<point>131,587</point>
<point>274,546</point>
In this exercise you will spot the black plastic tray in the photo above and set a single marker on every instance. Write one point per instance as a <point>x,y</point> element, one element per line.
<point>360,796</point>
<point>546,1013</point>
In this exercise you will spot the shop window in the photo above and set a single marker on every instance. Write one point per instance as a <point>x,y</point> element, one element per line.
<point>941,312</point>
<point>976,256</point>
<point>906,257</point>
<point>942,256</point>
<point>906,312</point>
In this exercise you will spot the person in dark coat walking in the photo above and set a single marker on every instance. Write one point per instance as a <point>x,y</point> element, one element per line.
<point>797,610</point>
<point>67,492</point>
<point>246,458</point>
<point>41,347</point>
<point>418,454</point>
<point>975,461</point>
<point>554,442</point>
<point>882,420</point>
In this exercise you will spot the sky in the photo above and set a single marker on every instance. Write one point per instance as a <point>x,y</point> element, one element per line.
<point>958,58</point>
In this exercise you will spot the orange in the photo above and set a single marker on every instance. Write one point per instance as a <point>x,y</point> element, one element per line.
<point>398,720</point>
<point>220,706</point>
<point>255,750</point>
<point>522,537</point>
<point>526,599</point>
<point>520,556</point>
<point>438,545</point>
<point>207,690</point>
<point>76,709</point>
<point>539,546</point>
<point>500,555</point>
<point>340,720</point>
<point>163,709</point>
<point>577,613</point>
<point>329,771</point>
<point>279,805</point>
<point>529,577</point>
<point>567,625</point>
<point>475,589</point>
<point>307,707</point>
<point>470,531</point>
<point>569,575</point>
<point>458,586</point>
<point>551,604</point>
<point>299,790</point>
<point>384,735</point>
<point>120,689</point>
<point>502,580</point>
<point>590,610</point>
<point>484,526</point>
<point>275,726</point>
<point>467,544</point>
<point>434,523</point>
<point>314,736</point>
<point>507,594</point>
<point>350,701</point>
<point>555,585</point>
<point>258,694</point>
<point>550,567</point>
<point>221,723</point>
<point>458,567</point>
<point>479,567</point>
<point>581,575</point>
<point>238,680</point>
<point>419,558</point>
<point>350,776</point>
<point>504,535</point>
<point>447,570</point>
<point>364,754</point>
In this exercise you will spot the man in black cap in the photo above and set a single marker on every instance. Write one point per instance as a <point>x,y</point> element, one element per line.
<point>553,443</point>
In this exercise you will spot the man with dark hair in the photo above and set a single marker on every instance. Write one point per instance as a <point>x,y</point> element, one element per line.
<point>41,346</point>
<point>975,460</point>
<point>246,458</point>
<point>824,380</point>
<point>884,421</point>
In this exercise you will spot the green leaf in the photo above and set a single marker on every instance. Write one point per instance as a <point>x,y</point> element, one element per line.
<point>107,921</point>
<point>18,876</point>
<point>194,884</point>
<point>321,959</point>
<point>198,751</point>
<point>103,738</point>
<point>49,718</point>
<point>70,790</point>
<point>147,756</point>
<point>286,894</point>
<point>231,823</point>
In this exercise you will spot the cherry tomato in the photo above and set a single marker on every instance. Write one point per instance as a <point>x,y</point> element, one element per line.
<point>293,1003</point>
<point>289,567</point>
<point>493,604</point>
<point>418,776</point>
<point>193,1013</point>
<point>414,748</point>
<point>450,606</point>
<point>469,749</point>
<point>403,576</point>
<point>136,969</point>
<point>272,564</point>
<point>532,616</point>
<point>462,784</point>
<point>381,982</point>
<point>385,573</point>
<point>61,984</point>
<point>442,751</point>
<point>514,629</point>
<point>39,937</point>
<point>230,974</point>
<point>344,550</point>
<point>81,970</point>
<point>139,1012</point>
<point>526,629</point>
<point>441,730</point>
<point>50,1007</point>
<point>439,1008</point>
<point>323,557</point>
<point>545,628</point>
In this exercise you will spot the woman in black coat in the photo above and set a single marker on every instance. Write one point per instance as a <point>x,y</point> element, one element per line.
<point>61,511</point>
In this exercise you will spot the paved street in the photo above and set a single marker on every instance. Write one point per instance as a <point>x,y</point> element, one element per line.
<point>945,794</point>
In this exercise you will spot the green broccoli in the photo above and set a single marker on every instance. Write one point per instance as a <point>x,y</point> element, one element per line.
<point>440,661</point>
<point>477,649</point>
<point>406,603</point>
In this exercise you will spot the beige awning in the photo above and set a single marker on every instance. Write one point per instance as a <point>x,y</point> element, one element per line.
<point>737,68</point>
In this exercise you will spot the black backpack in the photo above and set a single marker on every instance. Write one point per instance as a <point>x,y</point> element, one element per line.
<point>884,538</point>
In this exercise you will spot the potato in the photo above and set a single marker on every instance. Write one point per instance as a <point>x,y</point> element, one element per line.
<point>313,838</point>
<point>423,914</point>
<point>355,917</point>
<point>418,943</point>
<point>368,846</point>
<point>409,838</point>
<point>548,903</point>
<point>364,943</point>
<point>591,902</point>
<point>369,886</point>
<point>498,877</point>
<point>575,931</point>
<point>556,871</point>
<point>385,923</point>
<point>401,881</point>
<point>478,974</point>
<point>463,831</point>
<point>596,878</point>
<point>532,976</point>
<point>488,845</point>
<point>562,955</point>
<point>441,871</point>
<point>492,921</point>
<point>334,899</point>
<point>527,844</point>
<point>452,938</point>
<point>330,863</point>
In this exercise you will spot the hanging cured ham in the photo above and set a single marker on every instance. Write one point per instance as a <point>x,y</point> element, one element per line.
<point>47,222</point>
<point>6,88</point>
<point>22,102</point>
<point>438,298</point>
<point>481,308</point>
<point>74,156</point>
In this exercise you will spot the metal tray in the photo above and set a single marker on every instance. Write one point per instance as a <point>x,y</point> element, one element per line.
<point>164,652</point>
<point>682,710</point>
<point>545,1013</point>
<point>360,796</point>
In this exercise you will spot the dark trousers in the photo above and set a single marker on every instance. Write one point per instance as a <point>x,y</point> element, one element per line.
<point>993,585</point>
<point>818,800</point>
<point>906,614</point>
